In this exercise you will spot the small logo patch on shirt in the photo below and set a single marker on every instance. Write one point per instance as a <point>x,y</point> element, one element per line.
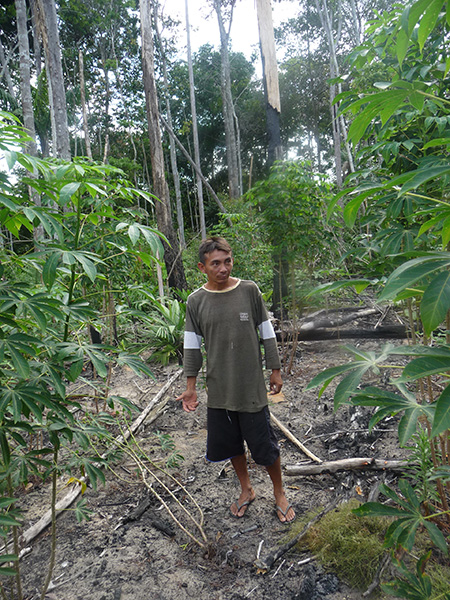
<point>243,316</point>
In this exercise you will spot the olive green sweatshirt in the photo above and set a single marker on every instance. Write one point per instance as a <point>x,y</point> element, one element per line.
<point>231,323</point>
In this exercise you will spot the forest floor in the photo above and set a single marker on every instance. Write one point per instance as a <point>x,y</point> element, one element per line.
<point>151,558</point>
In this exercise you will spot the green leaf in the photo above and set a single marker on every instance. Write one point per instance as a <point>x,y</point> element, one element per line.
<point>428,21</point>
<point>68,191</point>
<point>88,266</point>
<point>348,385</point>
<point>49,270</point>
<point>134,233</point>
<point>411,272</point>
<point>441,421</point>
<point>435,302</point>
<point>401,46</point>
<point>424,366</point>
<point>408,424</point>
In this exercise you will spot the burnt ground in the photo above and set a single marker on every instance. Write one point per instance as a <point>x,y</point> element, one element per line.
<point>149,558</point>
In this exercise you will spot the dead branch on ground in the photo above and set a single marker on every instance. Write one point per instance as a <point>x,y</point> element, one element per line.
<point>294,440</point>
<point>346,464</point>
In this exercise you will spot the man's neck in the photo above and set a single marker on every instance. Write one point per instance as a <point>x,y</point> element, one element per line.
<point>214,287</point>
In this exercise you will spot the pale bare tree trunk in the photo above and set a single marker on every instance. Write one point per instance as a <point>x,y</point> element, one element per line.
<point>172,256</point>
<point>227,100</point>
<point>270,78</point>
<point>25,75</point>
<point>338,123</point>
<point>201,208</point>
<point>87,141</point>
<point>50,37</point>
<point>5,71</point>
<point>27,100</point>
<point>172,145</point>
<point>36,40</point>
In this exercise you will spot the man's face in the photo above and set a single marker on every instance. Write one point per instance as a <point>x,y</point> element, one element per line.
<point>217,267</point>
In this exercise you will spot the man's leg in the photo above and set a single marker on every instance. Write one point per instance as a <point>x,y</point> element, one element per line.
<point>239,507</point>
<point>285,515</point>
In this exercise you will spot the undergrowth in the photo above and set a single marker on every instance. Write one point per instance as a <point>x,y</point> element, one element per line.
<point>348,545</point>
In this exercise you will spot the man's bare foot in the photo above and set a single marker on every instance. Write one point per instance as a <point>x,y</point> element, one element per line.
<point>239,508</point>
<point>285,512</point>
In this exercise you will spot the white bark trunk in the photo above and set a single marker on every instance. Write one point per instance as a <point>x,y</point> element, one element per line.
<point>50,37</point>
<point>201,208</point>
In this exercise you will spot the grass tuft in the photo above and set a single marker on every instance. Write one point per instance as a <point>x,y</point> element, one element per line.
<point>348,545</point>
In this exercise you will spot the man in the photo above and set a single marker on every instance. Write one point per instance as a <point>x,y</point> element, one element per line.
<point>227,313</point>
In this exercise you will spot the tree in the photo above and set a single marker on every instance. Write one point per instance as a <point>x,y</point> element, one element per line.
<point>25,75</point>
<point>172,256</point>
<point>50,37</point>
<point>201,209</point>
<point>270,78</point>
<point>229,114</point>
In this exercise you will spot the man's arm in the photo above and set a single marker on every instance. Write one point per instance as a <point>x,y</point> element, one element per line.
<point>189,396</point>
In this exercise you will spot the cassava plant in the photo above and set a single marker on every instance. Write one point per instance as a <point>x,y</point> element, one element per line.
<point>84,233</point>
<point>398,205</point>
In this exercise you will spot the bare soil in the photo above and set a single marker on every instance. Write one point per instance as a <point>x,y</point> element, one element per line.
<point>151,558</point>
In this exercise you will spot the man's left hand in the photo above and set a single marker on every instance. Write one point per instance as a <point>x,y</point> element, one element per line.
<point>276,383</point>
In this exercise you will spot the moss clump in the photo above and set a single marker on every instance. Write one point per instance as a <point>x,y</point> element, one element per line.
<point>348,545</point>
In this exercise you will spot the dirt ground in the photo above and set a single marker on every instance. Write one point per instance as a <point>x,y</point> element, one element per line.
<point>150,558</point>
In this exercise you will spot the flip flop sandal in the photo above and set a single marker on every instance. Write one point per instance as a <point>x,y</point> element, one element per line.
<point>239,506</point>
<point>284,513</point>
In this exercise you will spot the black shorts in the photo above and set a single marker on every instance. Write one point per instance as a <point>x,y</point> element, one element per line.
<point>227,431</point>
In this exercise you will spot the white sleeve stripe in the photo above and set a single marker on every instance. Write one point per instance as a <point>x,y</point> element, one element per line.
<point>192,341</point>
<point>266,330</point>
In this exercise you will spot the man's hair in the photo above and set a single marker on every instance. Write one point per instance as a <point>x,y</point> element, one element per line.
<point>210,244</point>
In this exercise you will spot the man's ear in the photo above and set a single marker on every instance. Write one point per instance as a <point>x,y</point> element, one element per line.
<point>201,267</point>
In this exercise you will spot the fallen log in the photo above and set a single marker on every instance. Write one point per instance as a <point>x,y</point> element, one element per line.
<point>320,320</point>
<point>346,464</point>
<point>293,439</point>
<point>394,332</point>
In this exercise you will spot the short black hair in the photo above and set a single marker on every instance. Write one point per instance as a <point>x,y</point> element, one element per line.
<point>213,243</point>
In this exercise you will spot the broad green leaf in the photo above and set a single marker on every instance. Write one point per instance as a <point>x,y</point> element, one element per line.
<point>441,421</point>
<point>375,509</point>
<point>134,233</point>
<point>348,385</point>
<point>421,176</point>
<point>424,366</point>
<point>428,21</point>
<point>329,374</point>
<point>435,302</point>
<point>20,363</point>
<point>49,270</point>
<point>436,536</point>
<point>68,191</point>
<point>437,142</point>
<point>411,272</point>
<point>88,266</point>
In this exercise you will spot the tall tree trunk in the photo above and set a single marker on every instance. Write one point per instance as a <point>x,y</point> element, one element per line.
<point>27,100</point>
<point>50,36</point>
<point>25,75</point>
<point>172,145</point>
<point>172,256</point>
<point>273,110</point>
<point>270,79</point>
<point>201,208</point>
<point>87,141</point>
<point>4,72</point>
<point>36,40</point>
<point>227,101</point>
<point>338,123</point>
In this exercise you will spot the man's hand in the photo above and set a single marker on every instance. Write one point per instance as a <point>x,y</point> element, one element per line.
<point>276,383</point>
<point>189,400</point>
